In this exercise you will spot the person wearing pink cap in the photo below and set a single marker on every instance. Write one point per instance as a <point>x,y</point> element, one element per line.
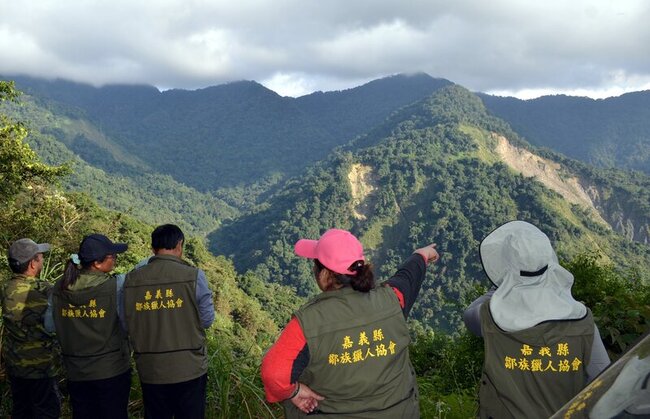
<point>345,352</point>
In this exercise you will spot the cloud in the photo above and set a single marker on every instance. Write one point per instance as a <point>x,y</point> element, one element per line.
<point>295,47</point>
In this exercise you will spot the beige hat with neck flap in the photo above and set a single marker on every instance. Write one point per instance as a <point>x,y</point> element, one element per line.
<point>532,286</point>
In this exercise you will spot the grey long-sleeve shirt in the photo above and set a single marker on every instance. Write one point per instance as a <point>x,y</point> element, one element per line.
<point>598,361</point>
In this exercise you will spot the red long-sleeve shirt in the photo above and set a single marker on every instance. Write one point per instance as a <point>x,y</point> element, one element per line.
<point>289,356</point>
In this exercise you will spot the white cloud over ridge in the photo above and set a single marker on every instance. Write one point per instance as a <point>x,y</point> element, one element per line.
<point>295,47</point>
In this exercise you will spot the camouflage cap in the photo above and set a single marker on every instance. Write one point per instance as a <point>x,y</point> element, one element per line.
<point>24,250</point>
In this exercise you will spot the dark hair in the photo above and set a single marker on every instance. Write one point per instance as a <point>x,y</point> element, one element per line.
<point>17,267</point>
<point>72,271</point>
<point>166,236</point>
<point>363,281</point>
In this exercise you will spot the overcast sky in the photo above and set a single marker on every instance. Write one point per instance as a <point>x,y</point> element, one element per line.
<point>525,48</point>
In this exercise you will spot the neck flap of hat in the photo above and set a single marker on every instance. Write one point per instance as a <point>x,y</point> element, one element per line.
<point>532,287</point>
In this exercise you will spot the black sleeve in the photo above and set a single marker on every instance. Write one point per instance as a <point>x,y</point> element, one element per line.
<point>299,364</point>
<point>408,280</point>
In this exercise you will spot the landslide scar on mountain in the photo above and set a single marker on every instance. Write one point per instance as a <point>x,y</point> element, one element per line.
<point>361,185</point>
<point>547,172</point>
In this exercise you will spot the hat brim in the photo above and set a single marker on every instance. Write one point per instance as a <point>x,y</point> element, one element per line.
<point>488,249</point>
<point>306,248</point>
<point>119,248</point>
<point>43,247</point>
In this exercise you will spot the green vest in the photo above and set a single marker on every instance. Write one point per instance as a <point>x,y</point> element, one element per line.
<point>533,372</point>
<point>28,350</point>
<point>163,320</point>
<point>358,355</point>
<point>93,344</point>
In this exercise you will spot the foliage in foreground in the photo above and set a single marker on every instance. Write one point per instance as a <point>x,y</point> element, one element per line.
<point>448,370</point>
<point>620,301</point>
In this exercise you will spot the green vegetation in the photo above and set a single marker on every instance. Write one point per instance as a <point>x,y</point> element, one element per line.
<point>32,205</point>
<point>435,178</point>
<point>613,132</point>
<point>114,177</point>
<point>232,135</point>
<point>19,164</point>
<point>448,371</point>
<point>620,301</point>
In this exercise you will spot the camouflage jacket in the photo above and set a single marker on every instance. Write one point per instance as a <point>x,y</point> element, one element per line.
<point>28,351</point>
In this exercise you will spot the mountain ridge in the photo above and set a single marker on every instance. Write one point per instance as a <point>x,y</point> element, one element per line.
<point>431,173</point>
<point>424,171</point>
<point>120,159</point>
<point>611,132</point>
<point>228,123</point>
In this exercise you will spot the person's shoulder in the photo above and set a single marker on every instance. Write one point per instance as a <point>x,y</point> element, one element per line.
<point>181,265</point>
<point>342,296</point>
<point>188,267</point>
<point>141,267</point>
<point>588,317</point>
<point>33,290</point>
<point>311,304</point>
<point>170,260</point>
<point>43,285</point>
<point>144,262</point>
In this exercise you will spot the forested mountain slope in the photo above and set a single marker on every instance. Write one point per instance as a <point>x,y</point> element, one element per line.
<point>232,134</point>
<point>612,132</point>
<point>442,170</point>
<point>111,174</point>
<point>32,205</point>
<point>439,170</point>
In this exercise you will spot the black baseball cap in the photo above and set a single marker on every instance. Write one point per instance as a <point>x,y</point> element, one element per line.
<point>97,246</point>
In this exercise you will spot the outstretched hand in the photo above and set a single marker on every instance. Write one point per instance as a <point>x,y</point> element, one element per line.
<point>306,399</point>
<point>429,253</point>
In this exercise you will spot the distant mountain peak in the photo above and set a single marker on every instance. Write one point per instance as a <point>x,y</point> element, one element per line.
<point>241,88</point>
<point>401,79</point>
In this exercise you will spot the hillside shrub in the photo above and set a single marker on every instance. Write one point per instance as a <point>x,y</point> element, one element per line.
<point>620,301</point>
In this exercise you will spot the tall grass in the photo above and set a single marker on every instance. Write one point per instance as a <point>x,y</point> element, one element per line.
<point>448,370</point>
<point>235,389</point>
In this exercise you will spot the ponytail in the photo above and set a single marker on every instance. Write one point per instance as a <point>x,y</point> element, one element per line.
<point>73,270</point>
<point>70,275</point>
<point>364,280</point>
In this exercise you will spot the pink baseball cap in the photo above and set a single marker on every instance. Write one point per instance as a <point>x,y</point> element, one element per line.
<point>336,249</point>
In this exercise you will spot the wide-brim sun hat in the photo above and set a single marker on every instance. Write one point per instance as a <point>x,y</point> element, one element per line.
<point>532,287</point>
<point>336,249</point>
<point>516,246</point>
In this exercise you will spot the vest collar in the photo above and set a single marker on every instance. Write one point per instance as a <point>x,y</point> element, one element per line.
<point>334,293</point>
<point>89,279</point>
<point>171,258</point>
